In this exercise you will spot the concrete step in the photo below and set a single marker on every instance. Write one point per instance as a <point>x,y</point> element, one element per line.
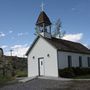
<point>26,79</point>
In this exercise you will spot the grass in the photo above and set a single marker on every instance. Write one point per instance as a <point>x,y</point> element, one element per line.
<point>20,73</point>
<point>5,79</point>
<point>83,77</point>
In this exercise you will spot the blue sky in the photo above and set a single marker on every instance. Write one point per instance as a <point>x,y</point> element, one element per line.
<point>18,18</point>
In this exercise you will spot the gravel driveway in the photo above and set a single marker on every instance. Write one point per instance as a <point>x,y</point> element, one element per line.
<point>43,84</point>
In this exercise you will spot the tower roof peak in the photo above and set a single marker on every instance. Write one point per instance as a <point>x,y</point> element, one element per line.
<point>43,19</point>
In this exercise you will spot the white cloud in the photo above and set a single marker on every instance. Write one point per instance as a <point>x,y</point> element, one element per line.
<point>16,46</point>
<point>22,34</point>
<point>4,46</point>
<point>2,34</point>
<point>10,31</point>
<point>73,37</point>
<point>88,46</point>
<point>18,50</point>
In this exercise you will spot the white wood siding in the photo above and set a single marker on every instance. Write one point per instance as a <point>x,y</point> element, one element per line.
<point>63,61</point>
<point>41,49</point>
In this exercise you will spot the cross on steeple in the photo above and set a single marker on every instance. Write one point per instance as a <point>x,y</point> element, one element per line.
<point>42,6</point>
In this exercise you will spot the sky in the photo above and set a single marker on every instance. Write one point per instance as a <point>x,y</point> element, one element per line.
<point>18,18</point>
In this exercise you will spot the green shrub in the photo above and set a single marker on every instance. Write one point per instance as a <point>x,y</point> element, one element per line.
<point>67,73</point>
<point>77,71</point>
<point>72,72</point>
<point>81,71</point>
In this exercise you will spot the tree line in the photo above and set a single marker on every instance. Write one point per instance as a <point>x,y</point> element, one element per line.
<point>10,64</point>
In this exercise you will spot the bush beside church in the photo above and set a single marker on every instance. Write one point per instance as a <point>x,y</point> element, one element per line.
<point>73,72</point>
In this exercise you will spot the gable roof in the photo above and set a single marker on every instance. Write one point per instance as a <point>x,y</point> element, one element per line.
<point>69,46</point>
<point>63,45</point>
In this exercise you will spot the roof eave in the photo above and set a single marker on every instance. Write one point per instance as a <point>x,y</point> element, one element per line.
<point>74,51</point>
<point>32,45</point>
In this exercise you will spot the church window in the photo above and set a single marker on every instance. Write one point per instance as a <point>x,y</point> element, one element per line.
<point>80,61</point>
<point>88,61</point>
<point>69,61</point>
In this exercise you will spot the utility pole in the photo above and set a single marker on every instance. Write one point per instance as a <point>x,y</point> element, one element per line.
<point>11,62</point>
<point>11,52</point>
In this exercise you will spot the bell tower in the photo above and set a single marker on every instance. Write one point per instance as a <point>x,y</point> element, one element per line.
<point>43,25</point>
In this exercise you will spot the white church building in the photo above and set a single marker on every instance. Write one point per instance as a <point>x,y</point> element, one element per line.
<point>48,54</point>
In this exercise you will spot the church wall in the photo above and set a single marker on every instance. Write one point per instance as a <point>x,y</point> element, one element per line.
<point>42,49</point>
<point>63,60</point>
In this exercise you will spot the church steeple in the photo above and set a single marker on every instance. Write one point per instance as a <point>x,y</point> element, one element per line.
<point>44,24</point>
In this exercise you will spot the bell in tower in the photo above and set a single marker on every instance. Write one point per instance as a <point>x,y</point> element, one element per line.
<point>43,25</point>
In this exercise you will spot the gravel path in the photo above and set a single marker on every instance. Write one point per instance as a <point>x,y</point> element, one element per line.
<point>42,84</point>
